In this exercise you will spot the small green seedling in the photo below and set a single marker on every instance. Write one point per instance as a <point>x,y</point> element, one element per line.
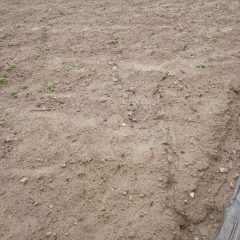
<point>162,14</point>
<point>42,19</point>
<point>115,18</point>
<point>13,92</point>
<point>9,67</point>
<point>3,80</point>
<point>81,173</point>
<point>18,25</point>
<point>2,35</point>
<point>50,87</point>
<point>200,66</point>
<point>24,87</point>
<point>71,66</point>
<point>36,55</point>
<point>67,136</point>
<point>114,40</point>
<point>50,97</point>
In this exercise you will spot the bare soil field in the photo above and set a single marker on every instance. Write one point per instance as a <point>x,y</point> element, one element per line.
<point>119,119</point>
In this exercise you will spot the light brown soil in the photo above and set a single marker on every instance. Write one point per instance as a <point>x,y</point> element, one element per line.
<point>115,113</point>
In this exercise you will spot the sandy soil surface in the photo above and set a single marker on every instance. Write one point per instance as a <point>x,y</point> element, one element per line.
<point>119,119</point>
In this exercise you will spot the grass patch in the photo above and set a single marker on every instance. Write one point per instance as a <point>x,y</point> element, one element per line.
<point>162,14</point>
<point>36,56</point>
<point>43,19</point>
<point>81,173</point>
<point>3,80</point>
<point>115,18</point>
<point>50,87</point>
<point>71,66</point>
<point>24,87</point>
<point>200,66</point>
<point>2,35</point>
<point>13,92</point>
<point>114,40</point>
<point>18,25</point>
<point>68,136</point>
<point>9,68</point>
<point>50,97</point>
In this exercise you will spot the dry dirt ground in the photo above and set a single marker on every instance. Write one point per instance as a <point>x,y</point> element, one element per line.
<point>119,119</point>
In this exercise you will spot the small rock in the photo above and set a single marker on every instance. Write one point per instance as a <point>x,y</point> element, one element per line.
<point>192,194</point>
<point>115,79</point>
<point>236,176</point>
<point>223,170</point>
<point>24,180</point>
<point>103,209</point>
<point>63,165</point>
<point>141,195</point>
<point>48,234</point>
<point>132,90</point>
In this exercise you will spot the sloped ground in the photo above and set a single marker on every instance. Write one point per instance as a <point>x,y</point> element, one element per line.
<point>119,119</point>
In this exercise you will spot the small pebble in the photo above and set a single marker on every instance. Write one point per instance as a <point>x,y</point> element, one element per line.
<point>236,176</point>
<point>48,234</point>
<point>115,79</point>
<point>24,180</point>
<point>223,170</point>
<point>192,194</point>
<point>63,165</point>
<point>36,203</point>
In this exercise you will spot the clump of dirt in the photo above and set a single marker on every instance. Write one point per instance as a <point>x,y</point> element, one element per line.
<point>119,119</point>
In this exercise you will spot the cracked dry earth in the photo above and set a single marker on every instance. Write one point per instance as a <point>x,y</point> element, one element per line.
<point>119,119</point>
